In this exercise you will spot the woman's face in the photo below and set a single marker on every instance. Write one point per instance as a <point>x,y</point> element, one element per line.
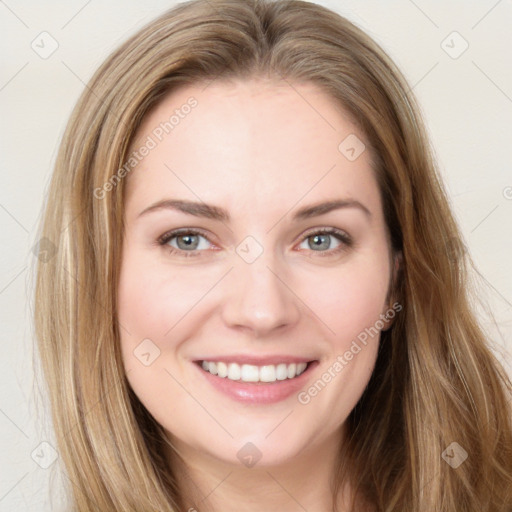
<point>251,168</point>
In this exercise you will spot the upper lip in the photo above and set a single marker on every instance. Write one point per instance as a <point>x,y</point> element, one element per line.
<point>257,360</point>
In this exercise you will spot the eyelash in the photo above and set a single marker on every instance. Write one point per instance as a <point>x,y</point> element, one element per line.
<point>346,241</point>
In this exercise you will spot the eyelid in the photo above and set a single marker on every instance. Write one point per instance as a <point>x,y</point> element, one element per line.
<point>168,235</point>
<point>327,230</point>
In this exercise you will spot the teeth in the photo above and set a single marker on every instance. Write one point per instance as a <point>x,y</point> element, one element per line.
<point>252,373</point>
<point>222,369</point>
<point>212,368</point>
<point>291,370</point>
<point>267,373</point>
<point>282,372</point>
<point>234,371</point>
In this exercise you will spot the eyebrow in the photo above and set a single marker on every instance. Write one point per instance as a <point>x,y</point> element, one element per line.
<point>199,209</point>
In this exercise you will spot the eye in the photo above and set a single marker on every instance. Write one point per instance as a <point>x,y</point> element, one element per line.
<point>187,242</point>
<point>321,241</point>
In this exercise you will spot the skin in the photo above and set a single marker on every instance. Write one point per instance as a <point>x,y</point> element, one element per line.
<point>261,150</point>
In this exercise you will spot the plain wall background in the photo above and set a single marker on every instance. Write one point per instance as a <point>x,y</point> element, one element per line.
<point>467,104</point>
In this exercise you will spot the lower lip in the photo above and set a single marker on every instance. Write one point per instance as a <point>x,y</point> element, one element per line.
<point>258,392</point>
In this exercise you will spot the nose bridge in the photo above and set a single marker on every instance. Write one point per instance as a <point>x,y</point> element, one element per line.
<point>258,298</point>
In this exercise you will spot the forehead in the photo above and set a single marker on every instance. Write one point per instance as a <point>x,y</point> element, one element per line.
<point>251,141</point>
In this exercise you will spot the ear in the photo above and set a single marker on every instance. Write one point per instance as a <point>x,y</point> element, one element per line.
<point>389,314</point>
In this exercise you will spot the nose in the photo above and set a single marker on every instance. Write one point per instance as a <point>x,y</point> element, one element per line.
<point>259,300</point>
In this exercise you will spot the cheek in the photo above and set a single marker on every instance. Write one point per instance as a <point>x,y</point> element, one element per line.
<point>150,303</point>
<point>351,353</point>
<point>157,309</point>
<point>153,299</point>
<point>350,304</point>
<point>351,299</point>
<point>146,311</point>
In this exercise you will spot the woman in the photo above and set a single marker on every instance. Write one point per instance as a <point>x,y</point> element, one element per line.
<point>259,299</point>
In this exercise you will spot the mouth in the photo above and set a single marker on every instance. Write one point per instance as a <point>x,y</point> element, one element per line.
<point>257,384</point>
<point>257,374</point>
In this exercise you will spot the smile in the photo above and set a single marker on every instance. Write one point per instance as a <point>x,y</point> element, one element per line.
<point>256,384</point>
<point>253,373</point>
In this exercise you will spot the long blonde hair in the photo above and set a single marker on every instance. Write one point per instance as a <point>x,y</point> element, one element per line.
<point>436,380</point>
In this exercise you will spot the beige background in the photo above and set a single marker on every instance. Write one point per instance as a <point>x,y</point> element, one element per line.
<point>467,103</point>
